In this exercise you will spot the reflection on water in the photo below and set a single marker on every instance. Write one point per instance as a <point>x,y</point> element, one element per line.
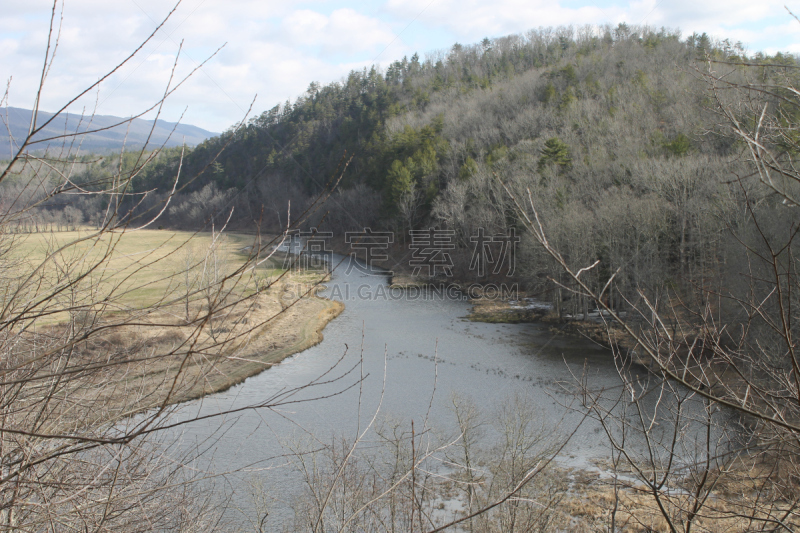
<point>428,352</point>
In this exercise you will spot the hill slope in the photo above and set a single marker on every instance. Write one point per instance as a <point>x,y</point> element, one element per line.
<point>612,133</point>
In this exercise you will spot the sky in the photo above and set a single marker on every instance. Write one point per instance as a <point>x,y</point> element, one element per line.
<point>272,50</point>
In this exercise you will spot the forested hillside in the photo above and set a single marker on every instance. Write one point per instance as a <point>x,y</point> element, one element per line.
<point>611,130</point>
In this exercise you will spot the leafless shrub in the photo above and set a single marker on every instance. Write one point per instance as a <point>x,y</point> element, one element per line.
<point>89,376</point>
<point>485,477</point>
<point>717,410</point>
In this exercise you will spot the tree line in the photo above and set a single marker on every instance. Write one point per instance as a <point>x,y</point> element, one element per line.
<point>610,128</point>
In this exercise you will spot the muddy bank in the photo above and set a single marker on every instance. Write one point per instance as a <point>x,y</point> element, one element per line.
<point>689,357</point>
<point>525,310</point>
<point>496,311</point>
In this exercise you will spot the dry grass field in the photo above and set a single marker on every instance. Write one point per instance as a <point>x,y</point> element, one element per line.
<point>142,268</point>
<point>153,289</point>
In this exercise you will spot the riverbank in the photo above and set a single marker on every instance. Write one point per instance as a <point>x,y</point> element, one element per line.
<point>159,359</point>
<point>525,310</point>
<point>149,339</point>
<point>591,495</point>
<point>294,330</point>
<point>258,335</point>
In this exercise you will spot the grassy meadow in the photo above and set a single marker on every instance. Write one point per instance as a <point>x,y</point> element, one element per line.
<point>171,315</point>
<point>139,269</point>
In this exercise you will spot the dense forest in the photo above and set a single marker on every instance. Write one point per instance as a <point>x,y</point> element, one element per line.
<point>611,129</point>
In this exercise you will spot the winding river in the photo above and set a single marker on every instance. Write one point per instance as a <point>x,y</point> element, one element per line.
<point>429,352</point>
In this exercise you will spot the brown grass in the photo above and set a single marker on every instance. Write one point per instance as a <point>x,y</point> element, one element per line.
<point>164,358</point>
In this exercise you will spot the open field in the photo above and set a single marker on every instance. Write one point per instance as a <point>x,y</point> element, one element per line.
<point>141,268</point>
<point>169,316</point>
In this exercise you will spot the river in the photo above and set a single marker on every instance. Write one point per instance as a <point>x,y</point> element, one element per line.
<point>428,351</point>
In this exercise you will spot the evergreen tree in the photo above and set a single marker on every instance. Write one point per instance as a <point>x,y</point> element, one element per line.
<point>555,152</point>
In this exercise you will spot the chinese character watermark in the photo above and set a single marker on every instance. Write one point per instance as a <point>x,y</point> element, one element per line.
<point>428,250</point>
<point>374,244</point>
<point>308,250</point>
<point>482,252</point>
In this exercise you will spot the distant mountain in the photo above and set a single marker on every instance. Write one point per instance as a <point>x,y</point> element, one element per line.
<point>110,140</point>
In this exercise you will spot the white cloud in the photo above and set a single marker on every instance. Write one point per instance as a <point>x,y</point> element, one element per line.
<point>469,20</point>
<point>276,48</point>
<point>273,49</point>
<point>343,31</point>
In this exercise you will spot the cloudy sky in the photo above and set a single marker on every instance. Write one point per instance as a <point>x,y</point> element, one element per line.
<point>274,49</point>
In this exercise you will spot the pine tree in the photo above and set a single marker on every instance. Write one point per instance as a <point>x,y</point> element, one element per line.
<point>555,152</point>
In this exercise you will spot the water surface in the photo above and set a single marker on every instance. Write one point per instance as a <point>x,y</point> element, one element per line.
<point>428,352</point>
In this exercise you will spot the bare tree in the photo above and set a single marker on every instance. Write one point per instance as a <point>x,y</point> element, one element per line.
<point>89,373</point>
<point>710,435</point>
<point>408,477</point>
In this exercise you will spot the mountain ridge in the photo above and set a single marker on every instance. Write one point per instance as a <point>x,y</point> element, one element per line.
<point>16,121</point>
